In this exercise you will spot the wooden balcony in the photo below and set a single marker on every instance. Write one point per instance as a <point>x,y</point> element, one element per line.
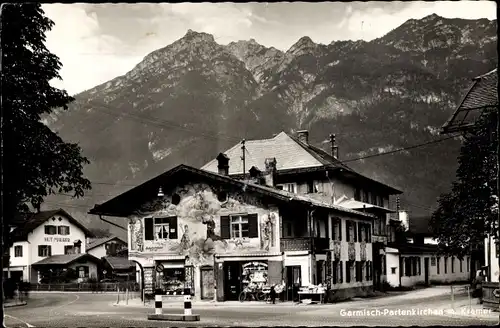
<point>304,244</point>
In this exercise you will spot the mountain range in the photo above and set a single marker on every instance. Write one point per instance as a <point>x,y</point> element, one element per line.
<point>194,98</point>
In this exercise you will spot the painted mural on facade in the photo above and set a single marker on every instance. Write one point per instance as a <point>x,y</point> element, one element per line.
<point>198,225</point>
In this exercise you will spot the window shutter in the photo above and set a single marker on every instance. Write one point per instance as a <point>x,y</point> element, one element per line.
<point>224,227</point>
<point>49,250</point>
<point>369,233</point>
<point>335,271</point>
<point>173,226</point>
<point>368,270</point>
<point>360,232</point>
<point>348,271</point>
<point>354,231</point>
<point>148,229</point>
<point>253,225</point>
<point>340,229</point>
<point>347,226</point>
<point>341,272</point>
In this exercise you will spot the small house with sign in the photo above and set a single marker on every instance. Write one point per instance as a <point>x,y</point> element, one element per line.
<point>219,236</point>
<point>50,246</point>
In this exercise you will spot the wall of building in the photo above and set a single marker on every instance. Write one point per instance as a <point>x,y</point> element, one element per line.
<point>451,275</point>
<point>57,242</point>
<point>93,269</point>
<point>492,260</point>
<point>199,229</point>
<point>392,261</point>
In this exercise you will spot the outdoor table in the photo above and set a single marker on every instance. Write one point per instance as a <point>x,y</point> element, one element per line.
<point>321,294</point>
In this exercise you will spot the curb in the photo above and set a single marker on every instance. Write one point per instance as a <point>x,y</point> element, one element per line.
<point>14,305</point>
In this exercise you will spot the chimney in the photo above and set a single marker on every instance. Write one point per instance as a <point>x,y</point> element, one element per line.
<point>303,136</point>
<point>223,165</point>
<point>270,172</point>
<point>255,175</point>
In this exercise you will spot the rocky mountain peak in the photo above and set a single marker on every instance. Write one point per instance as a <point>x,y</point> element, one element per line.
<point>194,36</point>
<point>304,44</point>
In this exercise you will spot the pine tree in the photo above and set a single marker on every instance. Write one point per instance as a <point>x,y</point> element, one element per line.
<point>469,213</point>
<point>36,162</point>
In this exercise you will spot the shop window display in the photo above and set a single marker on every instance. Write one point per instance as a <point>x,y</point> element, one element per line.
<point>254,276</point>
<point>172,279</point>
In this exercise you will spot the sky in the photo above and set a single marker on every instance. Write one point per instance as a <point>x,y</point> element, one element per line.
<point>98,42</point>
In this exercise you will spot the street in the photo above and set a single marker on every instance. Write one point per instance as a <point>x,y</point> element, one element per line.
<point>97,310</point>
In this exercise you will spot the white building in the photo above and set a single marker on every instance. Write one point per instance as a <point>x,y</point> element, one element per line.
<point>417,260</point>
<point>107,246</point>
<point>49,239</point>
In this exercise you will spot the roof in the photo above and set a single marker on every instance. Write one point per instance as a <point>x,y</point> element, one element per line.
<point>410,248</point>
<point>292,156</point>
<point>99,241</point>
<point>482,94</point>
<point>66,259</point>
<point>358,205</point>
<point>420,226</point>
<point>36,219</point>
<point>119,263</point>
<point>123,204</point>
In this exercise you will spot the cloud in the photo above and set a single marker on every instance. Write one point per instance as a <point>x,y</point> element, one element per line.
<point>370,21</point>
<point>88,56</point>
<point>110,39</point>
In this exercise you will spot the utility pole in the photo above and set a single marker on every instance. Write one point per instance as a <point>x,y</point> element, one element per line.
<point>334,147</point>
<point>243,149</point>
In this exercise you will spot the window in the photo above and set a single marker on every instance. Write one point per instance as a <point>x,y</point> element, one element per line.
<point>365,196</point>
<point>311,187</point>
<point>453,264</point>
<point>83,272</point>
<point>407,261</point>
<point>50,230</point>
<point>468,263</point>
<point>290,187</point>
<point>351,231</point>
<point>63,230</point>
<point>445,265</point>
<point>380,201</point>
<point>437,264</point>
<point>419,262</point>
<point>369,270</point>
<point>239,226</point>
<point>18,251</point>
<point>337,229</point>
<point>461,265</point>
<point>376,227</point>
<point>44,250</point>
<point>287,227</point>
<point>349,271</point>
<point>359,271</point>
<point>68,249</point>
<point>357,194</point>
<point>341,272</point>
<point>433,261</point>
<point>165,228</point>
<point>393,270</point>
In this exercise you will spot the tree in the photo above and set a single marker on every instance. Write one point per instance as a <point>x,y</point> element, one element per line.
<point>36,162</point>
<point>469,213</point>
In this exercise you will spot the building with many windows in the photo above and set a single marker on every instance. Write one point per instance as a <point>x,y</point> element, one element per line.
<point>49,241</point>
<point>219,235</point>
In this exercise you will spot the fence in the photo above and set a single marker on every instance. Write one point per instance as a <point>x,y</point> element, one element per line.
<point>86,287</point>
<point>460,290</point>
<point>123,295</point>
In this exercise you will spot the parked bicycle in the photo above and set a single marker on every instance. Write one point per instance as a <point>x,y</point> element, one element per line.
<point>251,294</point>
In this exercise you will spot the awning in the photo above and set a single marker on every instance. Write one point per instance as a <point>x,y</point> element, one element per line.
<point>64,260</point>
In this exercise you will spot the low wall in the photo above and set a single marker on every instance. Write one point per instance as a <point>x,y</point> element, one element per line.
<point>489,299</point>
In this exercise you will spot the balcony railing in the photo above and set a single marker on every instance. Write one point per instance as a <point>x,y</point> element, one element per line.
<point>304,244</point>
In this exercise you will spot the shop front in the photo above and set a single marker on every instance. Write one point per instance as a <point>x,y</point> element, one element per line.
<point>173,277</point>
<point>238,274</point>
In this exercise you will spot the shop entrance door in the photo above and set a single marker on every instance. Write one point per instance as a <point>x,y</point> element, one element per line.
<point>293,282</point>
<point>232,280</point>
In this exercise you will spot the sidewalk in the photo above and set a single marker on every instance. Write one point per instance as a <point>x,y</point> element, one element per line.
<point>13,303</point>
<point>177,301</point>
